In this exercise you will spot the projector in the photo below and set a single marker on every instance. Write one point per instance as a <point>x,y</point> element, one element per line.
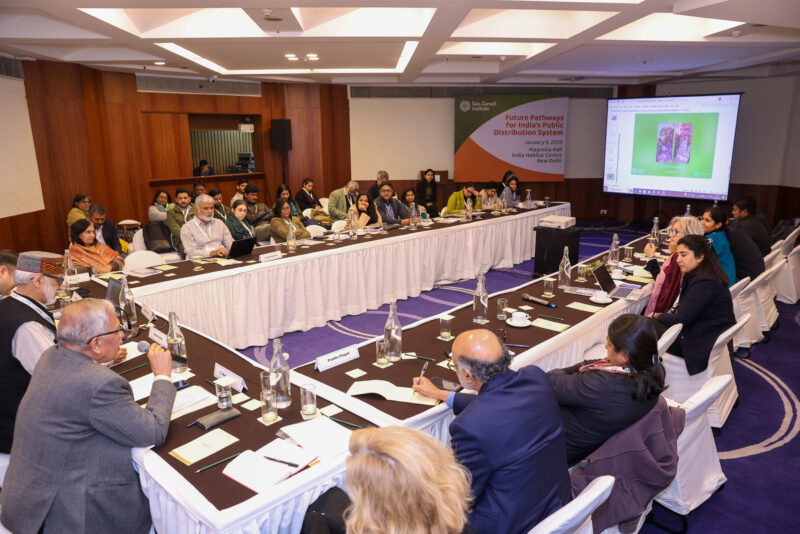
<point>557,221</point>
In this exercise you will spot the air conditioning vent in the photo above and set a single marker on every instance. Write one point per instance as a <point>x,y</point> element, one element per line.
<point>10,67</point>
<point>198,86</point>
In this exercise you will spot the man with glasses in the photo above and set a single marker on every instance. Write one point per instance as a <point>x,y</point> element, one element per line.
<point>70,468</point>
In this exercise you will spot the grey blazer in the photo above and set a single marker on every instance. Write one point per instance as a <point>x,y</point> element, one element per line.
<point>71,468</point>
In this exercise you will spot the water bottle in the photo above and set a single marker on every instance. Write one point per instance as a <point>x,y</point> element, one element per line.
<point>505,205</point>
<point>291,240</point>
<point>614,251</point>
<point>414,214</point>
<point>480,302</point>
<point>654,231</point>
<point>468,209</point>
<point>393,334</point>
<point>128,305</point>
<point>177,345</point>
<point>563,270</point>
<point>70,273</point>
<point>279,376</point>
<point>528,199</point>
<point>353,224</point>
<point>688,212</point>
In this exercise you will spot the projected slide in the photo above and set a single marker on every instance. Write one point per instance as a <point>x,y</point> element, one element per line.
<point>671,146</point>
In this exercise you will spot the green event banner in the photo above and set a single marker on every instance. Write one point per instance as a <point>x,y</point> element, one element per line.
<point>674,144</point>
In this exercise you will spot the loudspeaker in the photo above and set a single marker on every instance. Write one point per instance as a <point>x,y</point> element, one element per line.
<point>281,134</point>
<point>550,243</point>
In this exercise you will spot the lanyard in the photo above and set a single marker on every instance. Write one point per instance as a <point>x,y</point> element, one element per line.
<point>200,226</point>
<point>26,301</point>
<point>249,231</point>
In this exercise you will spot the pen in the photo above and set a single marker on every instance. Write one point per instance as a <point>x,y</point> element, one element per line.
<point>290,464</point>
<point>550,317</point>
<point>424,368</point>
<point>210,382</point>
<point>217,463</point>
<point>424,358</point>
<point>191,424</point>
<point>134,368</point>
<point>520,346</point>
<point>345,422</point>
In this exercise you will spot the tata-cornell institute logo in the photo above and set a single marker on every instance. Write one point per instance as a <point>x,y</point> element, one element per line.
<point>464,106</point>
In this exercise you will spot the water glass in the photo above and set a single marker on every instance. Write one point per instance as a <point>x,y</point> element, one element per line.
<point>71,279</point>
<point>549,287</point>
<point>269,405</point>
<point>308,399</point>
<point>502,304</point>
<point>581,272</point>
<point>627,253</point>
<point>381,352</point>
<point>653,241</point>
<point>265,383</point>
<point>546,202</point>
<point>224,400</point>
<point>445,327</point>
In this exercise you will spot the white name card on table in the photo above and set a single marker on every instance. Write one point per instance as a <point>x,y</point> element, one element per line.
<point>550,325</point>
<point>270,256</point>
<point>147,312</point>
<point>238,384</point>
<point>331,360</point>
<point>158,336</point>
<point>76,297</point>
<point>84,277</point>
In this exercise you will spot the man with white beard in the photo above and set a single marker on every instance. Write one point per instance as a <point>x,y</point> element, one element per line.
<point>27,329</point>
<point>204,235</point>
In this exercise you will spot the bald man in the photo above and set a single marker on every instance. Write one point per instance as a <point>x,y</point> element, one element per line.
<point>509,436</point>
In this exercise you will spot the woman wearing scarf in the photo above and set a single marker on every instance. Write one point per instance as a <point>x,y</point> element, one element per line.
<point>158,209</point>
<point>598,398</point>
<point>87,252</point>
<point>80,208</point>
<point>668,277</point>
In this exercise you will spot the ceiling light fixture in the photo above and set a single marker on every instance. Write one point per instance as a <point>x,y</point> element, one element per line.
<point>293,58</point>
<point>289,55</point>
<point>160,63</point>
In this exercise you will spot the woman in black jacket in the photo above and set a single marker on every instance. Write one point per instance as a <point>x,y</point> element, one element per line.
<point>598,398</point>
<point>426,193</point>
<point>705,307</point>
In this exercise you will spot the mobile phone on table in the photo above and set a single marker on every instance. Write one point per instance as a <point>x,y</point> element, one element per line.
<point>446,385</point>
<point>180,384</point>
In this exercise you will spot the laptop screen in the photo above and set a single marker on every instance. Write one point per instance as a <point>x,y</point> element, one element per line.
<point>604,279</point>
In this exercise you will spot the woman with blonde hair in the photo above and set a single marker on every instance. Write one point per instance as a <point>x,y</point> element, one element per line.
<point>403,481</point>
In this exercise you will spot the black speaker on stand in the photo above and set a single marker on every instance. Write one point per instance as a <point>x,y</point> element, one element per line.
<point>550,243</point>
<point>280,131</point>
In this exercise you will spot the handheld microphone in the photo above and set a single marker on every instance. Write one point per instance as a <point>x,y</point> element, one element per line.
<point>144,346</point>
<point>538,301</point>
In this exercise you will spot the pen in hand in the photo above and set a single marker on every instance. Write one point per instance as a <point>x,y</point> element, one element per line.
<point>424,368</point>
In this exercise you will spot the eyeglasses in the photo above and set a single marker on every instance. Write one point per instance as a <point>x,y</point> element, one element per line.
<point>672,232</point>
<point>59,279</point>
<point>120,329</point>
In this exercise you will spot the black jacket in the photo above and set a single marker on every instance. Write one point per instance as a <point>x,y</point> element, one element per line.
<point>758,231</point>
<point>306,200</point>
<point>110,235</point>
<point>400,212</point>
<point>706,310</point>
<point>747,257</point>
<point>594,405</point>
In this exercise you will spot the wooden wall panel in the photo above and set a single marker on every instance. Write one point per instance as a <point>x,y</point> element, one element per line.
<point>335,126</point>
<point>170,149</point>
<point>303,109</point>
<point>201,104</point>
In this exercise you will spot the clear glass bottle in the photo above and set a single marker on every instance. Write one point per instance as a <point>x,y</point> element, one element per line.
<point>128,305</point>
<point>480,302</point>
<point>688,212</point>
<point>505,205</point>
<point>468,208</point>
<point>291,240</point>
<point>613,258</point>
<point>654,230</point>
<point>353,224</point>
<point>279,375</point>
<point>393,334</point>
<point>564,269</point>
<point>413,215</point>
<point>177,345</point>
<point>528,199</point>
<point>70,273</point>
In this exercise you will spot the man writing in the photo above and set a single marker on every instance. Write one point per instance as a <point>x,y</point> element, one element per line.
<point>181,213</point>
<point>70,468</point>
<point>341,200</point>
<point>510,435</point>
<point>104,228</point>
<point>258,215</point>
<point>205,235</point>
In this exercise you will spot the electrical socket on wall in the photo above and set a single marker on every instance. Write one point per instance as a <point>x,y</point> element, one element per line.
<point>603,212</point>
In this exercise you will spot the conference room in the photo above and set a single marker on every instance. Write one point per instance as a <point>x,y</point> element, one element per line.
<point>476,266</point>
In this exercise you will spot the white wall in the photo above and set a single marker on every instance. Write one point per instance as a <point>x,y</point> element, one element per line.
<point>19,181</point>
<point>404,135</point>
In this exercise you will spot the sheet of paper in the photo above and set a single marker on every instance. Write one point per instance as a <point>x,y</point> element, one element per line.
<point>141,386</point>
<point>226,261</point>
<point>164,267</point>
<point>330,410</point>
<point>639,279</point>
<point>550,325</point>
<point>584,307</point>
<point>388,391</point>
<point>252,404</point>
<point>133,352</point>
<point>204,446</point>
<point>190,400</point>
<point>115,276</point>
<point>525,307</point>
<point>169,274</point>
<point>254,471</point>
<point>239,397</point>
<point>309,242</point>
<point>320,436</point>
<point>355,373</point>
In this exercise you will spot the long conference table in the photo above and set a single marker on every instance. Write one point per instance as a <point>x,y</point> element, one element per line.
<point>183,501</point>
<point>249,303</point>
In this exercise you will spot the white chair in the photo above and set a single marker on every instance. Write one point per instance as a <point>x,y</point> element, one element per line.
<point>750,332</point>
<point>141,259</point>
<point>681,385</point>
<point>324,202</point>
<point>788,243</point>
<point>777,244</point>
<point>668,338</point>
<point>699,472</point>
<point>315,230</point>
<point>138,245</point>
<point>307,212</point>
<point>576,516</point>
<point>338,226</point>
<point>758,300</point>
<point>772,258</point>
<point>787,281</point>
<point>443,212</point>
<point>4,459</point>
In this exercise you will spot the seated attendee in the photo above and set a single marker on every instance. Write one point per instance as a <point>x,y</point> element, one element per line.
<point>403,480</point>
<point>198,188</point>
<point>509,436</point>
<point>203,169</point>
<point>668,277</point>
<point>426,193</point>
<point>374,190</point>
<point>105,228</point>
<point>221,211</point>
<point>283,220</point>
<point>366,214</point>
<point>409,199</point>
<point>157,212</point>
<point>747,257</point>
<point>237,222</point>
<point>258,215</point>
<point>746,213</point>
<point>205,235</point>
<point>27,329</point>
<point>490,200</point>
<point>80,208</point>
<point>286,194</point>
<point>389,208</point>
<point>70,468</point>
<point>458,200</point>
<point>8,264</point>
<point>507,176</point>
<point>306,199</point>
<point>510,194</point>
<point>715,227</point>
<point>86,252</point>
<point>705,307</point>
<point>181,213</point>
<point>598,398</point>
<point>341,200</point>
<point>241,185</point>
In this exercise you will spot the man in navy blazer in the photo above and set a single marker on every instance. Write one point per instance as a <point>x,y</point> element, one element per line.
<point>509,436</point>
<point>104,228</point>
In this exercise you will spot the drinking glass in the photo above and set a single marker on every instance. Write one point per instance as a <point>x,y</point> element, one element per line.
<point>546,202</point>
<point>224,400</point>
<point>269,405</point>
<point>381,349</point>
<point>549,287</point>
<point>71,279</point>
<point>581,273</point>
<point>265,383</point>
<point>502,304</point>
<point>627,253</point>
<point>653,241</point>
<point>308,399</point>
<point>445,327</point>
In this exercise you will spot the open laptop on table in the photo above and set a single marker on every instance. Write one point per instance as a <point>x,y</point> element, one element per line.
<point>607,284</point>
<point>242,247</point>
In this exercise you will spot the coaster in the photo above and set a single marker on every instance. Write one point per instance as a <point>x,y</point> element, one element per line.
<point>312,416</point>
<point>330,410</point>
<point>510,310</point>
<point>355,373</point>
<point>239,397</point>
<point>382,366</point>
<point>169,274</point>
<point>451,338</point>
<point>329,244</point>
<point>304,246</point>
<point>525,307</point>
<point>279,419</point>
<point>252,404</point>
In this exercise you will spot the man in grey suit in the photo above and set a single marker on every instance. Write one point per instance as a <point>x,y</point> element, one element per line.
<point>71,467</point>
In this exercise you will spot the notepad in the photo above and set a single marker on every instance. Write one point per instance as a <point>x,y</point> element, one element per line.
<point>252,470</point>
<point>252,404</point>
<point>584,307</point>
<point>320,436</point>
<point>389,391</point>
<point>639,279</point>
<point>141,386</point>
<point>190,400</point>
<point>550,325</point>
<point>203,447</point>
<point>330,410</point>
<point>239,397</point>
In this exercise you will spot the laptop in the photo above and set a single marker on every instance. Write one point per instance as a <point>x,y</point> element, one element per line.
<point>607,284</point>
<point>242,247</point>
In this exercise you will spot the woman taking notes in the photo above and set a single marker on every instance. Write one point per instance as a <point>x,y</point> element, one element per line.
<point>283,220</point>
<point>715,226</point>
<point>237,222</point>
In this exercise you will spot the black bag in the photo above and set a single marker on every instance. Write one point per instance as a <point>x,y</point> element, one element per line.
<point>326,514</point>
<point>157,237</point>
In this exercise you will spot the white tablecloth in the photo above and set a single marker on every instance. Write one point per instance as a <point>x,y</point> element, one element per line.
<point>250,305</point>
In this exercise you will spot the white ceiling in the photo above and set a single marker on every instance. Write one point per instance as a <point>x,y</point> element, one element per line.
<point>414,42</point>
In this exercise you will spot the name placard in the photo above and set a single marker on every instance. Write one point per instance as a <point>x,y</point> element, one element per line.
<point>147,312</point>
<point>270,256</point>
<point>158,336</point>
<point>331,360</point>
<point>76,297</point>
<point>238,381</point>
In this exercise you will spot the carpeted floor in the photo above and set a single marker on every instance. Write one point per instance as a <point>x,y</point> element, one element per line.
<point>759,437</point>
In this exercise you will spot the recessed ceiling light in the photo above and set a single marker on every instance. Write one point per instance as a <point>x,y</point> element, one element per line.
<point>289,55</point>
<point>160,63</point>
<point>312,58</point>
<point>293,58</point>
<point>311,54</point>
